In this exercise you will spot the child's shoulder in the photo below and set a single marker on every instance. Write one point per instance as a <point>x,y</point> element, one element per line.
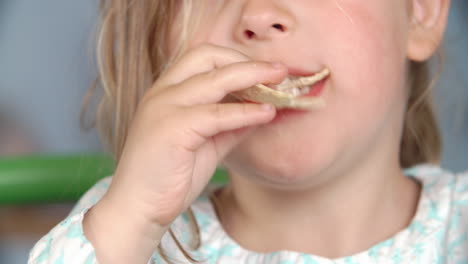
<point>443,199</point>
<point>440,223</point>
<point>437,181</point>
<point>93,195</point>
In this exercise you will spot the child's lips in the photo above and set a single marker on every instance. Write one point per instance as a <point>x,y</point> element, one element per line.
<point>299,91</point>
<point>300,72</point>
<point>285,114</point>
<point>297,76</point>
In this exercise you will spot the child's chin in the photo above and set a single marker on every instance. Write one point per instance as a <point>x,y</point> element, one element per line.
<point>283,172</point>
<point>282,161</point>
<point>295,178</point>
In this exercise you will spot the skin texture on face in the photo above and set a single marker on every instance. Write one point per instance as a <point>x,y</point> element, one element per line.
<point>363,43</point>
<point>334,173</point>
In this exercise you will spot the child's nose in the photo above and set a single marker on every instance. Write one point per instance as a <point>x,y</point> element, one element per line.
<point>263,20</point>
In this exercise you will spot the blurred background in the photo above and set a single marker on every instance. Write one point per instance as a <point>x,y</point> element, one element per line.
<point>46,66</point>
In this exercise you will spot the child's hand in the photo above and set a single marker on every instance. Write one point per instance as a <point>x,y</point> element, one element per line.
<point>181,131</point>
<point>179,134</point>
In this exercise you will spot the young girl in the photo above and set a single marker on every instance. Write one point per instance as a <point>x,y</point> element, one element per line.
<point>338,184</point>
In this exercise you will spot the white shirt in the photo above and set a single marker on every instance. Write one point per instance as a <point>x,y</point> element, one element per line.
<point>438,232</point>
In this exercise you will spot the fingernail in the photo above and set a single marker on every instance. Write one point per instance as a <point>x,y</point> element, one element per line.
<point>267,107</point>
<point>277,65</point>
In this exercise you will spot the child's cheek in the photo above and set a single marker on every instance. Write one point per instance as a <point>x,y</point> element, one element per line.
<point>367,53</point>
<point>367,58</point>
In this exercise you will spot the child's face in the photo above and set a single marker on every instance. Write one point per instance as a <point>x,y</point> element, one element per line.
<point>362,42</point>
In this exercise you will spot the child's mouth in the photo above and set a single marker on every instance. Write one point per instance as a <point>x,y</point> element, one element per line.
<point>298,86</point>
<point>315,92</point>
<point>295,92</point>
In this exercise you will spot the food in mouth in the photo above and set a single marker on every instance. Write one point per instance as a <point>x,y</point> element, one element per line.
<point>292,93</point>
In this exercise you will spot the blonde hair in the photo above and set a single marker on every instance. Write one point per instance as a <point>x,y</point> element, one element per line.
<point>132,55</point>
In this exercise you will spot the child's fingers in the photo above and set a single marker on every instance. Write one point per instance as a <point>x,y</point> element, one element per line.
<point>205,121</point>
<point>213,86</point>
<point>201,59</point>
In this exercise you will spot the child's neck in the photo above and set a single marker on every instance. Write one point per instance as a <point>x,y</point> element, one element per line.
<point>335,220</point>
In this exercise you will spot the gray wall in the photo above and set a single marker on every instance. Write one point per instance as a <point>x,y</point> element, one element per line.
<point>452,91</point>
<point>46,66</point>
